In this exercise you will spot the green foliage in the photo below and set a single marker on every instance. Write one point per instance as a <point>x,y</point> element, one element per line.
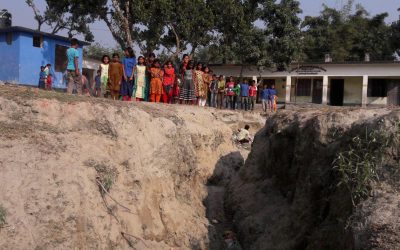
<point>73,16</point>
<point>358,165</point>
<point>347,35</point>
<point>96,51</point>
<point>283,31</point>
<point>3,216</point>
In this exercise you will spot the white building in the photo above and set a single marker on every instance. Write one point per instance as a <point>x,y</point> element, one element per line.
<point>337,84</point>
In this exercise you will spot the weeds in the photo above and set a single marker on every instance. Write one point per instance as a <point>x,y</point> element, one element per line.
<point>358,165</point>
<point>106,175</point>
<point>3,216</point>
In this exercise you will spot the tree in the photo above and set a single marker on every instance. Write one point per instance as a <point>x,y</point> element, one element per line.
<point>233,20</point>
<point>96,51</point>
<point>282,31</point>
<point>347,35</point>
<point>395,36</point>
<point>73,16</point>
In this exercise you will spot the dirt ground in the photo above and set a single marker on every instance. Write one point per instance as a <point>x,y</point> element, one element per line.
<point>88,173</point>
<point>153,160</point>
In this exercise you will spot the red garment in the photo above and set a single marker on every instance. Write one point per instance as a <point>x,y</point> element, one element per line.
<point>229,86</point>
<point>49,82</point>
<point>169,76</point>
<point>253,91</point>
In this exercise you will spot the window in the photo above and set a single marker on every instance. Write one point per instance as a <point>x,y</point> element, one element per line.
<point>9,38</point>
<point>377,88</point>
<point>37,41</point>
<point>61,58</point>
<point>303,87</point>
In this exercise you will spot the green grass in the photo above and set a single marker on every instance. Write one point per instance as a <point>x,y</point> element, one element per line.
<point>3,216</point>
<point>359,164</point>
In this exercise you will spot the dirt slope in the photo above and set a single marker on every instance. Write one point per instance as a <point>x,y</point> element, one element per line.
<point>289,196</point>
<point>155,159</point>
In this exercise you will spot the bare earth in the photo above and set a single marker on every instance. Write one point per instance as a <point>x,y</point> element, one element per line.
<point>54,146</point>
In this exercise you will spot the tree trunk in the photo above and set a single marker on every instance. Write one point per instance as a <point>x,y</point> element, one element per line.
<point>124,21</point>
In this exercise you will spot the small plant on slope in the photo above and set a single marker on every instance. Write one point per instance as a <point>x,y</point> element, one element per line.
<point>3,215</point>
<point>358,164</point>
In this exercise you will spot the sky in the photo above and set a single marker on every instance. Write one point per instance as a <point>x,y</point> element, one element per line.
<point>23,15</point>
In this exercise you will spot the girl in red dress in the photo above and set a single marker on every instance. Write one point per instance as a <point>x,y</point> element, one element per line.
<point>168,82</point>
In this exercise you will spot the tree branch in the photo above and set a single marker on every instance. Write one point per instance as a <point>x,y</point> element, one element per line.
<point>38,17</point>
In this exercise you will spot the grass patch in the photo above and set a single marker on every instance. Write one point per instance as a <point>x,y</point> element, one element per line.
<point>3,216</point>
<point>106,174</point>
<point>359,164</point>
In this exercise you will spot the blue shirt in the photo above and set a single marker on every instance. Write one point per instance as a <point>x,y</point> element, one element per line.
<point>129,64</point>
<point>272,93</point>
<point>97,80</point>
<point>72,53</point>
<point>265,94</point>
<point>244,90</point>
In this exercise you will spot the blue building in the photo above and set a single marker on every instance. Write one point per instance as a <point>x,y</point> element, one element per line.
<point>23,51</point>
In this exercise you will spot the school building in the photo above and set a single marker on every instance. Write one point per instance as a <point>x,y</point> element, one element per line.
<point>24,50</point>
<point>335,84</point>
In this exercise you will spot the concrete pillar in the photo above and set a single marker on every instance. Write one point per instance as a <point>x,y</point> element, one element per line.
<point>325,90</point>
<point>288,88</point>
<point>364,99</point>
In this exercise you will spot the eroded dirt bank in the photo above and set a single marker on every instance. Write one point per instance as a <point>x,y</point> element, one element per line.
<point>78,173</point>
<point>291,193</point>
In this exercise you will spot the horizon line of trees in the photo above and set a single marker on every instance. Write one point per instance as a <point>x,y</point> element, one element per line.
<point>266,33</point>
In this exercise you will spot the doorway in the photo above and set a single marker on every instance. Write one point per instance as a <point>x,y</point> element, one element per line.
<point>337,92</point>
<point>317,91</point>
<point>393,94</point>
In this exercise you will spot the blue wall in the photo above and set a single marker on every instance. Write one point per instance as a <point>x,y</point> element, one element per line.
<point>9,54</point>
<point>21,61</point>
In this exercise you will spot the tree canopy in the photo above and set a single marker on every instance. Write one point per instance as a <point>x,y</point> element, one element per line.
<point>347,35</point>
<point>257,32</point>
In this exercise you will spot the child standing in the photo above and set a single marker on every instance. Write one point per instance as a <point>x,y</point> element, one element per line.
<point>73,73</point>
<point>244,95</point>
<point>199,84</point>
<point>252,94</point>
<point>221,91</point>
<point>185,62</point>
<point>207,81</point>
<point>105,60</point>
<point>273,98</point>
<point>213,91</point>
<point>140,72</point>
<point>168,82</point>
<point>236,98</point>
<point>129,63</point>
<point>156,85</point>
<point>42,78</point>
<point>265,98</point>
<point>49,82</point>
<point>115,75</point>
<point>97,84</point>
<point>149,64</point>
<point>47,69</point>
<point>187,93</point>
<point>230,93</point>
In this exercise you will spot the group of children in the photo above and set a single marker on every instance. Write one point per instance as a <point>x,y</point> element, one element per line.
<point>45,77</point>
<point>146,79</point>
<point>269,98</point>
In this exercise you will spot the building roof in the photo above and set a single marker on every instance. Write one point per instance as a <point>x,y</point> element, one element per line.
<point>294,64</point>
<point>32,31</point>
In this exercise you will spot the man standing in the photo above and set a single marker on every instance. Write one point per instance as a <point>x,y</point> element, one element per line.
<point>73,74</point>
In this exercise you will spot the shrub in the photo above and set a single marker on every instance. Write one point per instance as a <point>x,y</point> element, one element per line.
<point>3,216</point>
<point>358,165</point>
